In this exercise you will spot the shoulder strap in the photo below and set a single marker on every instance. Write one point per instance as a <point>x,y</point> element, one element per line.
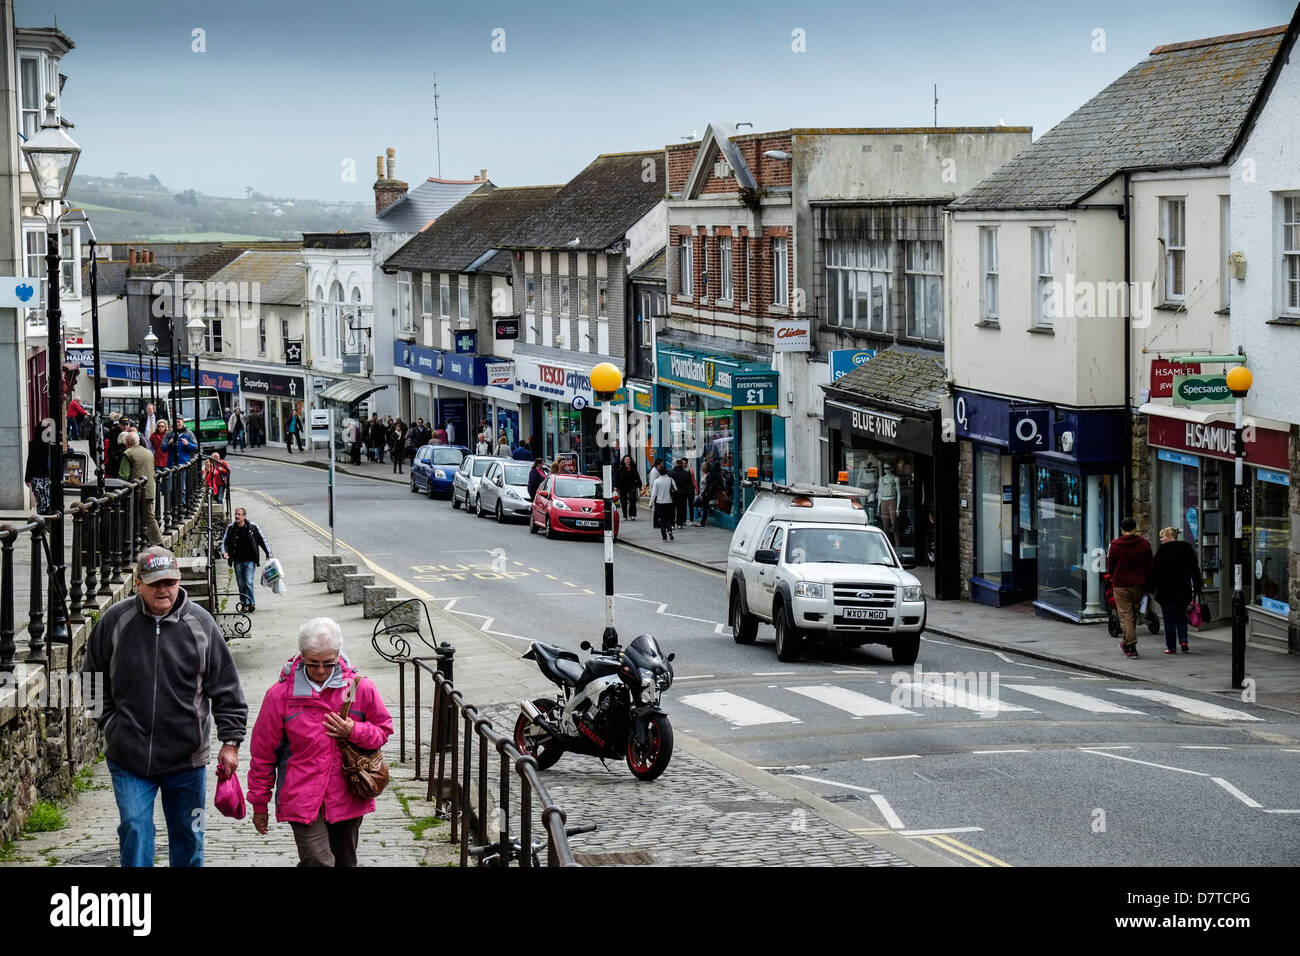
<point>349,697</point>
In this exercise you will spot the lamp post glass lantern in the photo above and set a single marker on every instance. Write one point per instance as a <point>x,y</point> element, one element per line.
<point>196,328</point>
<point>51,157</point>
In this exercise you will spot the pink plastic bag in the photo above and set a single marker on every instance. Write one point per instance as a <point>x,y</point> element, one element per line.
<point>229,799</point>
<point>1194,614</point>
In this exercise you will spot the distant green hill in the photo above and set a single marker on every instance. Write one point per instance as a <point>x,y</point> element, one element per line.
<point>125,207</point>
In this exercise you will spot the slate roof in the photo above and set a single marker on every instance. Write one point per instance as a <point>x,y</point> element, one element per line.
<point>904,377</point>
<point>597,207</point>
<point>1181,106</point>
<point>280,280</point>
<point>423,204</point>
<point>208,264</point>
<point>654,269</point>
<point>472,227</point>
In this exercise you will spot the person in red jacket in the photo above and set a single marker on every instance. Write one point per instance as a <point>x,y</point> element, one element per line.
<point>1129,561</point>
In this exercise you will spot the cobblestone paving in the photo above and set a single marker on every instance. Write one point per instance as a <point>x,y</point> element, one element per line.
<point>693,815</point>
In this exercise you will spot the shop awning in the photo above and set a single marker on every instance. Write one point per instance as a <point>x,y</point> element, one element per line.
<point>350,392</point>
<point>1219,415</point>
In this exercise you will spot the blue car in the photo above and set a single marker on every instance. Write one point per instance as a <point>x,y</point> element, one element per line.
<point>434,468</point>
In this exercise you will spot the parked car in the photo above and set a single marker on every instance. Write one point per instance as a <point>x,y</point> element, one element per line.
<point>503,490</point>
<point>570,504</point>
<point>806,560</point>
<point>464,485</point>
<point>433,467</point>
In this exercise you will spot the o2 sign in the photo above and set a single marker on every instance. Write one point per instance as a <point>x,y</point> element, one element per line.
<point>1029,429</point>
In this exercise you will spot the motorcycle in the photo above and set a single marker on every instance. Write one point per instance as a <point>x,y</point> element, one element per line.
<point>608,708</point>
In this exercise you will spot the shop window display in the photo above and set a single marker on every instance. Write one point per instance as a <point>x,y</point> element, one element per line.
<point>1060,539</point>
<point>1269,540</point>
<point>887,477</point>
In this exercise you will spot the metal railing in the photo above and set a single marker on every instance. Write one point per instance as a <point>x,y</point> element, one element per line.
<point>450,714</point>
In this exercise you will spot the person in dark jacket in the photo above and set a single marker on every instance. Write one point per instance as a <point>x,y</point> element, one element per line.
<point>37,475</point>
<point>710,484</point>
<point>165,673</point>
<point>239,546</point>
<point>1176,577</point>
<point>1129,563</point>
<point>522,452</point>
<point>684,493</point>
<point>536,477</point>
<point>397,445</point>
<point>628,482</point>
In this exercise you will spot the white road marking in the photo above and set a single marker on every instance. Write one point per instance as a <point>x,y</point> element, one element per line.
<point>1282,811</point>
<point>1145,763</point>
<point>896,757</point>
<point>1189,705</point>
<point>856,671</point>
<point>773,673</point>
<point>1072,698</point>
<point>793,766</point>
<point>860,705</point>
<point>960,697</point>
<point>1196,747</point>
<point>892,818</point>
<point>1001,751</point>
<point>694,677</point>
<point>1112,747</point>
<point>722,629</point>
<point>737,711</point>
<point>941,830</point>
<point>1237,793</point>
<point>834,783</point>
<point>1004,657</point>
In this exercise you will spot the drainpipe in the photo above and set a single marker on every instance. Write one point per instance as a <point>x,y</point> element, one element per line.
<point>1126,482</point>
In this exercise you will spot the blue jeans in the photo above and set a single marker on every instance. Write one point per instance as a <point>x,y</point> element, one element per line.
<point>1175,626</point>
<point>184,799</point>
<point>245,575</point>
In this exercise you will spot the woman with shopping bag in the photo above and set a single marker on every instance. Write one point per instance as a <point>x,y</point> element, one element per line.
<point>302,715</point>
<point>1176,577</point>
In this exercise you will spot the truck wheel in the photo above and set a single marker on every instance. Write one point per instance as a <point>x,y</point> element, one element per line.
<point>906,648</point>
<point>788,637</point>
<point>744,627</point>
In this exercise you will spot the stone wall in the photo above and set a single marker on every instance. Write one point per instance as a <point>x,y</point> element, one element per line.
<point>1139,503</point>
<point>966,516</point>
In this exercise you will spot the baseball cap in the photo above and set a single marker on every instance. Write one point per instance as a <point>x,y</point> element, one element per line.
<point>157,564</point>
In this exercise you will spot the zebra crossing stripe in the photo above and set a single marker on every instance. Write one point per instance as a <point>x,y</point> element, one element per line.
<point>1072,698</point>
<point>859,705</point>
<point>1189,705</point>
<point>736,710</point>
<point>960,697</point>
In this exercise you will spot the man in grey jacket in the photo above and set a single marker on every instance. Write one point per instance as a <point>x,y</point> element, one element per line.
<point>165,673</point>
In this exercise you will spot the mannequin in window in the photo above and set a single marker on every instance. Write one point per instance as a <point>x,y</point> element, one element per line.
<point>888,495</point>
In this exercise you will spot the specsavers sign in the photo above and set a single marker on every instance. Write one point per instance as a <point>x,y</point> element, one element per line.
<point>1201,390</point>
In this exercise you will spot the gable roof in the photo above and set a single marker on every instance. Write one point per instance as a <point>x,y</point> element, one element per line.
<point>280,280</point>
<point>718,135</point>
<point>423,204</point>
<point>1181,106</point>
<point>1266,88</point>
<point>460,236</point>
<point>597,207</point>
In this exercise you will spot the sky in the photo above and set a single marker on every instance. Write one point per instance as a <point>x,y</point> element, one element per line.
<point>289,97</point>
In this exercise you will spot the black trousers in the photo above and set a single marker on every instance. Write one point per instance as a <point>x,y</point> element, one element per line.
<point>680,501</point>
<point>664,518</point>
<point>627,501</point>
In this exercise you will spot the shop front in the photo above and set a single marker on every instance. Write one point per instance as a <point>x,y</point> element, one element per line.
<point>721,411</point>
<point>275,397</point>
<point>1192,483</point>
<point>462,392</point>
<point>564,420</point>
<point>1044,502</point>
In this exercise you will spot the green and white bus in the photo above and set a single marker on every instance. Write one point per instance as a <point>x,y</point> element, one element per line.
<point>209,427</point>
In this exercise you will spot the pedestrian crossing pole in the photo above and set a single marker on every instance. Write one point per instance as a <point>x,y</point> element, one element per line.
<point>1239,381</point>
<point>606,379</point>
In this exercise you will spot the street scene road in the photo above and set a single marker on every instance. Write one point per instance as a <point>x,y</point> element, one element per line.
<point>991,757</point>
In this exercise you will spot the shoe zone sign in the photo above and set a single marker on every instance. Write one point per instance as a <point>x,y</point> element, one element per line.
<point>18,293</point>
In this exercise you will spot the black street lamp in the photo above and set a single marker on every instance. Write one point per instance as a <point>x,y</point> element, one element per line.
<point>97,433</point>
<point>196,328</point>
<point>51,157</point>
<point>151,342</point>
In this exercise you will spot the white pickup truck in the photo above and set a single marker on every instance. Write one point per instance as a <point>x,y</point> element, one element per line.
<point>804,559</point>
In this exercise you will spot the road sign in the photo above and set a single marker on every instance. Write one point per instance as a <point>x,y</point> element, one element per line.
<point>320,420</point>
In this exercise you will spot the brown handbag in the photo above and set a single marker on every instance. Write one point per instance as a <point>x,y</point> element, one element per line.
<point>364,770</point>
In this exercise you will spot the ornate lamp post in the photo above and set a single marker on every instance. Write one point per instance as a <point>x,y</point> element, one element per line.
<point>51,157</point>
<point>196,328</point>
<point>151,343</point>
<point>605,381</point>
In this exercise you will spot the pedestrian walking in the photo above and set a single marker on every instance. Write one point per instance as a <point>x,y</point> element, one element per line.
<point>256,429</point>
<point>1176,578</point>
<point>352,435</point>
<point>160,444</point>
<point>167,674</point>
<point>628,483</point>
<point>710,485</point>
<point>522,452</point>
<point>503,446</point>
<point>397,445</point>
<point>656,470</point>
<point>536,477</point>
<point>37,474</point>
<point>239,546</point>
<point>663,497</point>
<point>184,447</point>
<point>377,440</point>
<point>75,413</point>
<point>141,461</point>
<point>685,492</point>
<point>290,426</point>
<point>1129,562</point>
<point>300,757</point>
<point>235,426</point>
<point>216,475</point>
<point>481,446</point>
<point>440,436</point>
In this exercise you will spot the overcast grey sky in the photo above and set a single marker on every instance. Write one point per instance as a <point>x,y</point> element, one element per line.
<point>284,92</point>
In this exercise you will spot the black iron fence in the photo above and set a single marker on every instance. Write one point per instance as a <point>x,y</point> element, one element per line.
<point>461,791</point>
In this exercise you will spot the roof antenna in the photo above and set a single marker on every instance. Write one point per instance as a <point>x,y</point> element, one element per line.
<point>437,130</point>
<point>936,104</point>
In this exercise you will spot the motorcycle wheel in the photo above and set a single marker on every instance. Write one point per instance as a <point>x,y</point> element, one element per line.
<point>647,763</point>
<point>535,742</point>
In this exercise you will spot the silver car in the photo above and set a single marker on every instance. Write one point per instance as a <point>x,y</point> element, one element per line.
<point>503,490</point>
<point>464,485</point>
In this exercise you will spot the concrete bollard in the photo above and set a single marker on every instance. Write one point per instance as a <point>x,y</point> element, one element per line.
<point>354,586</point>
<point>375,599</point>
<point>334,576</point>
<point>320,563</point>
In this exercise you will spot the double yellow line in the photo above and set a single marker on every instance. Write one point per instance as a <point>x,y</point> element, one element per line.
<point>943,842</point>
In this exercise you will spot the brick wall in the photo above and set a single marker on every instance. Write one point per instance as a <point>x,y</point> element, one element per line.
<point>966,516</point>
<point>680,160</point>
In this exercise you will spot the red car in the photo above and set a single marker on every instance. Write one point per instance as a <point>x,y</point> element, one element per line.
<point>570,504</point>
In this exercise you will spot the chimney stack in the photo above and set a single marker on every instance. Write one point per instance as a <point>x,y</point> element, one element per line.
<point>130,256</point>
<point>482,175</point>
<point>388,190</point>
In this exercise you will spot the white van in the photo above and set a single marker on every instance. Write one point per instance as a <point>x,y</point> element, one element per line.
<point>804,559</point>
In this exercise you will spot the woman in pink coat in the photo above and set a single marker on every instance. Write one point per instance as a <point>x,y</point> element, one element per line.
<point>295,748</point>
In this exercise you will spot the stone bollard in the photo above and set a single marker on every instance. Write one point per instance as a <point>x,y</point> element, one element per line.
<point>375,599</point>
<point>408,616</point>
<point>354,586</point>
<point>334,576</point>
<point>320,564</point>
